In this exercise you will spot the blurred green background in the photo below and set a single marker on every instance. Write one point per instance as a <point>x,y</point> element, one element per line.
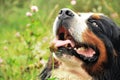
<point>24,40</point>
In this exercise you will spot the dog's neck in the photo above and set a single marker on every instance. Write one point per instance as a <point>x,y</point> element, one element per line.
<point>64,72</point>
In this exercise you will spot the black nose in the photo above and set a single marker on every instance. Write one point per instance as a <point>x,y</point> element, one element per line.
<point>65,14</point>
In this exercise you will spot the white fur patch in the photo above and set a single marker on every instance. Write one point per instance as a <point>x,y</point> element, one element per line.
<point>77,25</point>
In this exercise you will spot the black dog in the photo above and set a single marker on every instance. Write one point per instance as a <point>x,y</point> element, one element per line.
<point>86,47</point>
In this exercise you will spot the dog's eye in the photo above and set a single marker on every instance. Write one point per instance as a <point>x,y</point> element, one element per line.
<point>93,22</point>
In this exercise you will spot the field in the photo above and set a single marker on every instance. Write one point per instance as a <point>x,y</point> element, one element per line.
<point>25,33</point>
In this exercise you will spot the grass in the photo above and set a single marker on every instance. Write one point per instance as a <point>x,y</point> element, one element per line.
<point>24,41</point>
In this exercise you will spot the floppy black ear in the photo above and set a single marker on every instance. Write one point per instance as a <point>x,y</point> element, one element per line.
<point>51,64</point>
<point>112,31</point>
<point>46,72</point>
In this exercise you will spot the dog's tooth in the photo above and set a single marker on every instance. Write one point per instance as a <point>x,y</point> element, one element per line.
<point>75,48</point>
<point>69,48</point>
<point>81,48</point>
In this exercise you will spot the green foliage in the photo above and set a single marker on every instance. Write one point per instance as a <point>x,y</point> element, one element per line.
<point>53,78</point>
<point>25,40</point>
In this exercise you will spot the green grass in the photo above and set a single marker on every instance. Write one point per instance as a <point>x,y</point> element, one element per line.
<point>25,41</point>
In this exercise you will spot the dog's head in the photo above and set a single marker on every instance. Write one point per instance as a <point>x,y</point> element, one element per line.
<point>87,39</point>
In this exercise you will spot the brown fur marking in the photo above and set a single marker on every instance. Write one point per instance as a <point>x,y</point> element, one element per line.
<point>91,38</point>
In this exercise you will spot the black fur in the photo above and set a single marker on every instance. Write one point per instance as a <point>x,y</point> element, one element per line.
<point>46,73</point>
<point>109,33</point>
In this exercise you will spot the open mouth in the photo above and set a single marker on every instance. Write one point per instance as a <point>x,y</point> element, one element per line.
<point>65,41</point>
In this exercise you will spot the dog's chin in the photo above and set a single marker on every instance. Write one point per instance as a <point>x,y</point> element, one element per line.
<point>67,57</point>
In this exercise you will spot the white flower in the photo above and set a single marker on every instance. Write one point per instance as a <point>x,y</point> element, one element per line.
<point>28,14</point>
<point>34,8</point>
<point>5,48</point>
<point>1,60</point>
<point>28,25</point>
<point>73,2</point>
<point>17,34</point>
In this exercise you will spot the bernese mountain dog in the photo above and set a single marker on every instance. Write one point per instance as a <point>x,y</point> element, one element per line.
<point>86,47</point>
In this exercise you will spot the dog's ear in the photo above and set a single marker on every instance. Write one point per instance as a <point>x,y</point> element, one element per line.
<point>46,72</point>
<point>113,30</point>
<point>110,29</point>
<point>51,64</point>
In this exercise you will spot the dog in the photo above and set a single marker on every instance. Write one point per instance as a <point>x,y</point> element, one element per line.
<point>86,47</point>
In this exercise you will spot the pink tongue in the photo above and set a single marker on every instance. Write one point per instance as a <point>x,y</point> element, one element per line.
<point>59,43</point>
